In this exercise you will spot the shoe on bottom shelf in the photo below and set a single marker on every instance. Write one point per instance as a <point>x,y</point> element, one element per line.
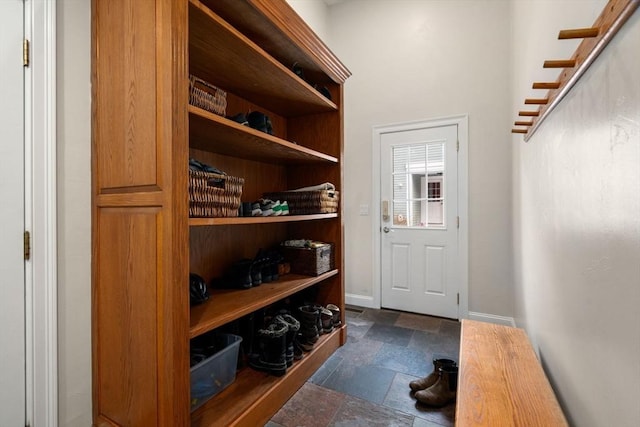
<point>272,349</point>
<point>335,311</point>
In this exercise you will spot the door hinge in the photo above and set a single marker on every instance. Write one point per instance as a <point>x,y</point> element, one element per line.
<point>457,145</point>
<point>458,299</point>
<point>27,245</point>
<point>25,52</point>
<point>458,222</point>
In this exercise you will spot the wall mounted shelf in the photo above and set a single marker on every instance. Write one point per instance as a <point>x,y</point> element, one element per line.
<point>595,39</point>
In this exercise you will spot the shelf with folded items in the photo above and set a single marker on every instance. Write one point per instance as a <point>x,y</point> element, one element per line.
<point>221,55</point>
<point>217,134</point>
<point>225,305</point>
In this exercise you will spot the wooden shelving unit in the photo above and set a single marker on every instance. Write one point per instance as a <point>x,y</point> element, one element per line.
<point>144,243</point>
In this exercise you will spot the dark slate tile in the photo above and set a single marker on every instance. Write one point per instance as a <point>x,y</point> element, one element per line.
<point>358,413</point>
<point>352,312</point>
<point>389,334</point>
<point>450,327</point>
<point>364,381</point>
<point>438,345</point>
<point>387,317</point>
<point>418,322</point>
<point>419,422</point>
<point>409,361</point>
<point>326,369</point>
<point>361,352</point>
<point>356,328</point>
<point>311,406</point>
<point>401,399</point>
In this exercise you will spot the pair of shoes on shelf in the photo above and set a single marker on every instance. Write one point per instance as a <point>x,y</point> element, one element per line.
<point>316,320</point>
<point>256,120</point>
<point>299,71</point>
<point>267,207</point>
<point>247,273</point>
<point>276,345</point>
<point>268,263</point>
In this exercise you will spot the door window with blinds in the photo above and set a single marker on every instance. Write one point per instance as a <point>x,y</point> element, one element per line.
<point>419,185</point>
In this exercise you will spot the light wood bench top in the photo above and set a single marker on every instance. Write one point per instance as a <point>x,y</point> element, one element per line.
<point>501,381</point>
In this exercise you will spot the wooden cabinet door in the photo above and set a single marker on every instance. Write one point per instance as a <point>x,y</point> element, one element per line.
<point>140,232</point>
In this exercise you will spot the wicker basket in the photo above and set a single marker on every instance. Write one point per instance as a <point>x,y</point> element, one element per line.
<point>214,196</point>
<point>308,202</point>
<point>207,96</point>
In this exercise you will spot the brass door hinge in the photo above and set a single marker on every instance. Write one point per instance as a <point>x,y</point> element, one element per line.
<point>25,52</point>
<point>27,245</point>
<point>458,222</point>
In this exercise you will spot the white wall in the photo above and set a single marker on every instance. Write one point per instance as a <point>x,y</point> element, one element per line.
<point>577,218</point>
<point>314,13</point>
<point>74,211</point>
<point>414,60</point>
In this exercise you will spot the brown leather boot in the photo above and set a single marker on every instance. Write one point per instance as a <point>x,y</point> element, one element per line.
<point>443,391</point>
<point>429,380</point>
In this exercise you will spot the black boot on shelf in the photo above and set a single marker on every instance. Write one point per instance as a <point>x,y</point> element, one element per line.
<point>308,325</point>
<point>326,318</point>
<point>293,326</point>
<point>272,348</point>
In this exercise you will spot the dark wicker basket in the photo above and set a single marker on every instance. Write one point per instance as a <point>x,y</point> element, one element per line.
<point>207,96</point>
<point>214,196</point>
<point>308,202</point>
<point>310,261</point>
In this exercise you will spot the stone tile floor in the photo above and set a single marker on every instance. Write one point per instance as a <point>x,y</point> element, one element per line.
<point>366,381</point>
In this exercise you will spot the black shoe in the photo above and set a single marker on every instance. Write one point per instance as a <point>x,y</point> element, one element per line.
<point>293,326</point>
<point>260,121</point>
<point>272,349</point>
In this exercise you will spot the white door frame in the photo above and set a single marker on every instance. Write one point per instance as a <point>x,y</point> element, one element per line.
<point>40,215</point>
<point>462,122</point>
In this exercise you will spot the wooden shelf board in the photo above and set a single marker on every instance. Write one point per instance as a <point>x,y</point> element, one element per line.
<point>281,32</point>
<point>217,134</point>
<point>226,305</point>
<point>221,55</point>
<point>198,222</point>
<point>253,389</point>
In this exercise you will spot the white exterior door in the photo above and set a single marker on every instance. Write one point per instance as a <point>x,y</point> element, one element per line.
<point>12,273</point>
<point>419,224</point>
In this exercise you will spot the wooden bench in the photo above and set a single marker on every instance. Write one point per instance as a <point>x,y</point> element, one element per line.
<point>501,381</point>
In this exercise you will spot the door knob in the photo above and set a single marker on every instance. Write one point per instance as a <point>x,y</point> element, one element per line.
<point>386,229</point>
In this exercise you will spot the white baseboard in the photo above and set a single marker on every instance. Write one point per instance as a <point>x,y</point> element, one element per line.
<point>492,318</point>
<point>360,301</point>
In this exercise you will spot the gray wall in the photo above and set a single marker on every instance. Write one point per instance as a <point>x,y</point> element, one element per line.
<point>413,60</point>
<point>74,211</point>
<point>577,221</point>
